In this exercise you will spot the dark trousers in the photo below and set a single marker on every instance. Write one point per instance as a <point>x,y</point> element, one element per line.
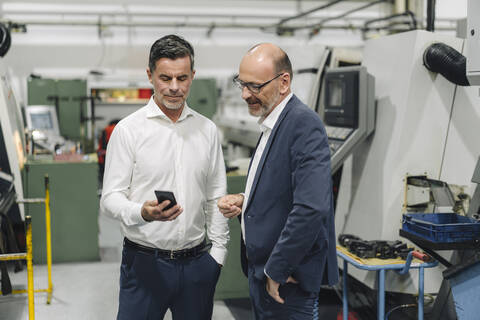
<point>149,285</point>
<point>299,304</point>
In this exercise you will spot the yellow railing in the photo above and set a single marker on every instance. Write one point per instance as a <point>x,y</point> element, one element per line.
<point>29,254</point>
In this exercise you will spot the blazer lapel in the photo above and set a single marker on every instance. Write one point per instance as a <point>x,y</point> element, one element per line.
<point>267,149</point>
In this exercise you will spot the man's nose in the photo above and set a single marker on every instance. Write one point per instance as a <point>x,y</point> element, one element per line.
<point>246,93</point>
<point>173,85</point>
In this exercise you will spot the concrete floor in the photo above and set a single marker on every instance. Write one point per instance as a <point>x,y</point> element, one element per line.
<point>87,291</point>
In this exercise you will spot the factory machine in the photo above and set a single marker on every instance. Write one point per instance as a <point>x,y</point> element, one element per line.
<point>42,124</point>
<point>426,127</point>
<point>418,131</point>
<point>72,204</point>
<point>12,138</point>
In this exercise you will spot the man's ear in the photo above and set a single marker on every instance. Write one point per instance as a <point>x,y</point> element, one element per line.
<point>149,74</point>
<point>285,81</point>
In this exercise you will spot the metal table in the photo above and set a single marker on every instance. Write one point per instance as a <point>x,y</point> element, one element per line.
<point>401,268</point>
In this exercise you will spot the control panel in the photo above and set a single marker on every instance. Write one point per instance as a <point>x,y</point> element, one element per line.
<point>349,110</point>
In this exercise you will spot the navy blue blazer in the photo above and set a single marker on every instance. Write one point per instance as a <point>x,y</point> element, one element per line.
<point>289,218</point>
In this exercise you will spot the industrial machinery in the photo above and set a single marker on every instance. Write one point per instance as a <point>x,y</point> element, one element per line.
<point>425,126</point>
<point>12,138</point>
<point>76,204</point>
<point>426,134</point>
<point>42,123</point>
<point>67,97</point>
<point>415,111</point>
<point>349,110</point>
<point>473,43</point>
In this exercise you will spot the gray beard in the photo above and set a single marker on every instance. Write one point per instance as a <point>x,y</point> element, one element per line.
<point>173,106</point>
<point>269,107</point>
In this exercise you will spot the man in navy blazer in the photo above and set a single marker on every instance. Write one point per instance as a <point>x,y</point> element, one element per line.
<point>287,217</point>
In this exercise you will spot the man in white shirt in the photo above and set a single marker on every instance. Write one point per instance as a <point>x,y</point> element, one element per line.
<point>167,146</point>
<point>286,211</point>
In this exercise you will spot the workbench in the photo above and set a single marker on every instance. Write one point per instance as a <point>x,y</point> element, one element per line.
<point>401,266</point>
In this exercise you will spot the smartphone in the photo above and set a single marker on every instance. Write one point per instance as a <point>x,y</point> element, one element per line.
<point>166,195</point>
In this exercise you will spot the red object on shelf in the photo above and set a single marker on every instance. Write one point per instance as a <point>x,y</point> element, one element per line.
<point>422,256</point>
<point>351,315</point>
<point>144,93</point>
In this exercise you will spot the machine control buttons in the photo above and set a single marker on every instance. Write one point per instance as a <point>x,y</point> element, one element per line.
<point>338,132</point>
<point>336,137</point>
<point>334,146</point>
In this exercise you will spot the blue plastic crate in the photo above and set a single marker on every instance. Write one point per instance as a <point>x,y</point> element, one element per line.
<point>441,227</point>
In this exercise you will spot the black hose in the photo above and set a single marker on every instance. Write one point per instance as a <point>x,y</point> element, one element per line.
<point>5,39</point>
<point>447,61</point>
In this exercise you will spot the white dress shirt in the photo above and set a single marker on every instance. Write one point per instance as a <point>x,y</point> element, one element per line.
<point>266,126</point>
<point>147,152</point>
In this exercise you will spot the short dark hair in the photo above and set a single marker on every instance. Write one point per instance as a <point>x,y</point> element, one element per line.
<point>283,64</point>
<point>171,47</point>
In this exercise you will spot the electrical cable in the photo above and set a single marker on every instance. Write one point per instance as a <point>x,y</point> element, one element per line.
<point>346,13</point>
<point>409,14</point>
<point>430,299</point>
<point>399,307</point>
<point>324,6</point>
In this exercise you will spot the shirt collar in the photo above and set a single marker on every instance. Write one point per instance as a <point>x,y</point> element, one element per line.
<point>269,122</point>
<point>153,111</point>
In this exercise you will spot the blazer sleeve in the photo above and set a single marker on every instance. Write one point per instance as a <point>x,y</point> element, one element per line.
<point>311,208</point>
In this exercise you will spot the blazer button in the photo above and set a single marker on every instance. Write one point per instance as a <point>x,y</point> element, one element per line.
<point>249,216</point>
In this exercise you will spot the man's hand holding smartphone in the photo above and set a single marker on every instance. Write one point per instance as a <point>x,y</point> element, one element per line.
<point>161,209</point>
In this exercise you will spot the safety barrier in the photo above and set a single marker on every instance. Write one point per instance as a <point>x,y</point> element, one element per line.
<point>28,256</point>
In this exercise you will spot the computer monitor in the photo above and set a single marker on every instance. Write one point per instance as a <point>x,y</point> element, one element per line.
<point>342,101</point>
<point>349,110</point>
<point>43,118</point>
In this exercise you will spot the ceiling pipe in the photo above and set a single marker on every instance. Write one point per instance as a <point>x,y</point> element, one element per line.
<point>346,13</point>
<point>320,24</point>
<point>303,14</point>
<point>205,25</point>
<point>412,20</point>
<point>431,15</point>
<point>141,14</point>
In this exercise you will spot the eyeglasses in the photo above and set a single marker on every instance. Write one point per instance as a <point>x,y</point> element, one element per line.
<point>253,87</point>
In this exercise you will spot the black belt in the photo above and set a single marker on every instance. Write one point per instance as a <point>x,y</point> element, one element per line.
<point>169,254</point>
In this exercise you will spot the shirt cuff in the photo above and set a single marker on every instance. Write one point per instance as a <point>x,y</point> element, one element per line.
<point>136,214</point>
<point>220,255</point>
<point>265,271</point>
